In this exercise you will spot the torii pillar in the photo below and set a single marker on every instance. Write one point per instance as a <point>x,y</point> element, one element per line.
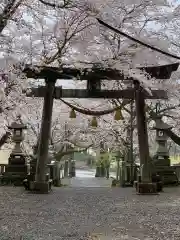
<point>41,184</point>
<point>146,185</point>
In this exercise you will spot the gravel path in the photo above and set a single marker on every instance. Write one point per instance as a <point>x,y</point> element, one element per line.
<point>90,182</point>
<point>75,213</point>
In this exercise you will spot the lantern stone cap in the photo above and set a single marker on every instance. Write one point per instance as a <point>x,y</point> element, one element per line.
<point>50,164</point>
<point>14,153</point>
<point>160,125</point>
<point>16,125</point>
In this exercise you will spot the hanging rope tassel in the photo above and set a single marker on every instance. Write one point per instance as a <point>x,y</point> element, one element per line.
<point>72,114</point>
<point>94,122</point>
<point>118,115</point>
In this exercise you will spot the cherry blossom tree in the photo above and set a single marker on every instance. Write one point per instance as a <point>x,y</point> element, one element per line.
<point>9,86</point>
<point>48,33</point>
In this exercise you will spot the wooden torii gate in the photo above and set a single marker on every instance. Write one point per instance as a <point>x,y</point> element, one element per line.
<point>94,78</point>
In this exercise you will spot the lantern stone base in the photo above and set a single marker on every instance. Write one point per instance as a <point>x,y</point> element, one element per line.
<point>12,179</point>
<point>15,171</point>
<point>167,174</point>
<point>57,182</point>
<point>146,188</point>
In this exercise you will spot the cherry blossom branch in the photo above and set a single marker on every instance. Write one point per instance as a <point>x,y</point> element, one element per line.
<point>8,11</point>
<point>136,40</point>
<point>59,155</point>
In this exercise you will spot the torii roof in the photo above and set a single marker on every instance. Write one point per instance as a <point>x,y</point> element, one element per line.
<point>158,72</point>
<point>160,125</point>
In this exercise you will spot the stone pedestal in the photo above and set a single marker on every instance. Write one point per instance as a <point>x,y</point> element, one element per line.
<point>107,172</point>
<point>128,174</point>
<point>41,187</point>
<point>66,181</point>
<point>146,188</point>
<point>57,177</point>
<point>66,166</point>
<point>103,171</point>
<point>51,170</point>
<point>72,168</point>
<point>31,175</point>
<point>156,179</point>
<point>31,185</point>
<point>98,171</point>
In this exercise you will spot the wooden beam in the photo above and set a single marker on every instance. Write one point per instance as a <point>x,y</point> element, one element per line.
<point>73,73</point>
<point>82,93</point>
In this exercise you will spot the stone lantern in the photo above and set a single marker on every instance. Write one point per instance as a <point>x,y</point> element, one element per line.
<point>17,169</point>
<point>18,136</point>
<point>162,165</point>
<point>162,152</point>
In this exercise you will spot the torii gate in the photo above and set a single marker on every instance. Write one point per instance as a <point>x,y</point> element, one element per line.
<point>94,78</point>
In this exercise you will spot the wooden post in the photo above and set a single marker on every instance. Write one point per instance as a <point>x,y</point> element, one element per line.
<point>142,133</point>
<point>42,159</point>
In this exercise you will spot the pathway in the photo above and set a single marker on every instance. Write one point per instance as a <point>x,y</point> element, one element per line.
<point>89,211</point>
<point>90,182</point>
<point>86,178</point>
<point>89,214</point>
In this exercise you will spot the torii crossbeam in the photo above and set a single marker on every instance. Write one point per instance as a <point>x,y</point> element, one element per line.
<point>94,78</point>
